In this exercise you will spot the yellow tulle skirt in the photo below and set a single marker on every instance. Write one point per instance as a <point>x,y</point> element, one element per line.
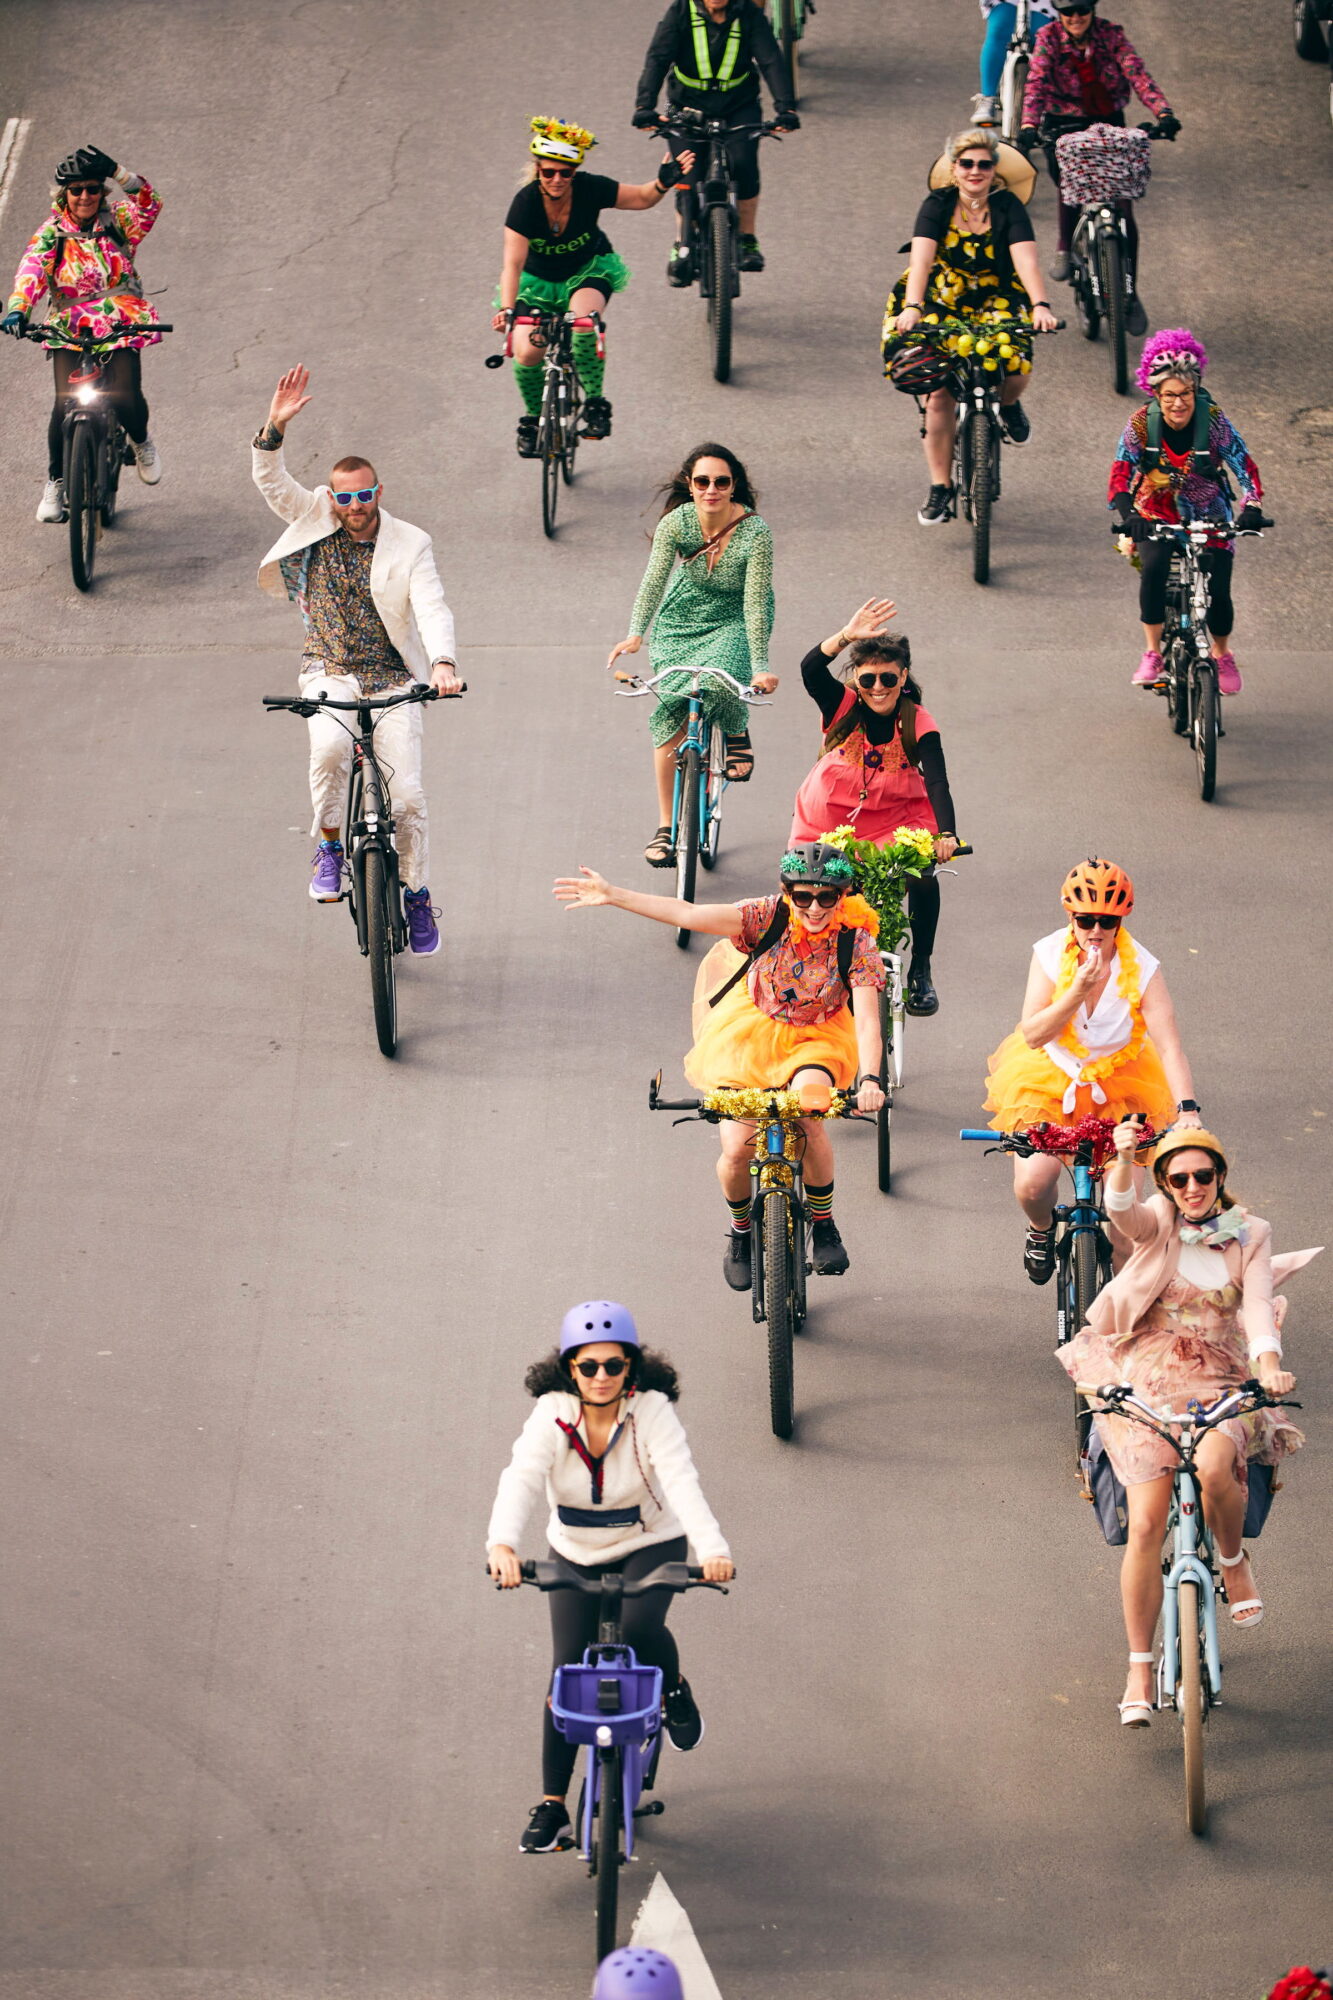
<point>1027,1088</point>
<point>734,1043</point>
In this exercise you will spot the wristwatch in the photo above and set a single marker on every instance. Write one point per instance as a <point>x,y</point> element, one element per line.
<point>1190,1104</point>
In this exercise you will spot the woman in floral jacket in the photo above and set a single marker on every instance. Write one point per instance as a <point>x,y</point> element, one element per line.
<point>83,255</point>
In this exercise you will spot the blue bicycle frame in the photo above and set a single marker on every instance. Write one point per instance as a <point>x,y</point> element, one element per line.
<point>1191,1552</point>
<point>699,736</point>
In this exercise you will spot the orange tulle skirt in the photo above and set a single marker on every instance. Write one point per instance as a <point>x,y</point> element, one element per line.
<point>734,1043</point>
<point>1027,1088</point>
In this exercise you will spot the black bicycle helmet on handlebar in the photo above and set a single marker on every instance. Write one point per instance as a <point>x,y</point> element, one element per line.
<point>919,369</point>
<point>816,864</point>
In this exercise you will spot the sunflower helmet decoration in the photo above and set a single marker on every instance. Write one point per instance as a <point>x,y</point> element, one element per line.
<point>553,139</point>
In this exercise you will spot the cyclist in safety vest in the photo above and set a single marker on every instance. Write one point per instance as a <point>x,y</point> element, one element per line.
<point>710,54</point>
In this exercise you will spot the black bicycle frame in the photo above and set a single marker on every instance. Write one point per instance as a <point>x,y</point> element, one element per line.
<point>373,827</point>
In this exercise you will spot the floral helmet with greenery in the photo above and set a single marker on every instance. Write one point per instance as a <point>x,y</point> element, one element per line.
<point>553,139</point>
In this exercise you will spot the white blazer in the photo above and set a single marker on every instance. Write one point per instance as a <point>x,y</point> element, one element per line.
<point>404,582</point>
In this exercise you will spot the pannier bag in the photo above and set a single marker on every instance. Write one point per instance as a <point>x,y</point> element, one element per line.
<point>1112,1508</point>
<point>1105,163</point>
<point>918,369</point>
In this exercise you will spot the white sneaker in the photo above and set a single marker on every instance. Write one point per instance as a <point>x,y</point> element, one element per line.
<point>147,460</point>
<point>985,110</point>
<point>52,505</point>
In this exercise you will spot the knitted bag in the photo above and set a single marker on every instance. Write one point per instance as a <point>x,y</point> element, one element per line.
<point>1105,163</point>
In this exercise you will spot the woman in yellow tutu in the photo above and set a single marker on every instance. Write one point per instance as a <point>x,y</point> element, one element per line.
<point>787,998</point>
<point>1097,1038</point>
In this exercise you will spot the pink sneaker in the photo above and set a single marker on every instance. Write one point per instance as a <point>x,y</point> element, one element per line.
<point>1228,674</point>
<point>1148,671</point>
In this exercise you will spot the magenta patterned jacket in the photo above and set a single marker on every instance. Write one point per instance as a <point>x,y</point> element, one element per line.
<point>1053,80</point>
<point>90,273</point>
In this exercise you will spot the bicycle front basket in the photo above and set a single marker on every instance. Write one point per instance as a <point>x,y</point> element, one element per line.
<point>608,1694</point>
<point>1105,163</point>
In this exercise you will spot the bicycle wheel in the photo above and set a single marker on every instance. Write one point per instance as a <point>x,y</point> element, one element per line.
<point>1203,707</point>
<point>787,32</point>
<point>379,936</point>
<point>715,780</point>
<point>1113,305</point>
<point>983,449</point>
<point>779,1251</point>
<point>550,457</point>
<point>110,481</point>
<point>81,494</point>
<point>1307,31</point>
<point>687,836</point>
<point>570,429</point>
<point>1086,310</point>
<point>1177,687</point>
<point>1191,1701</point>
<point>606,1859</point>
<point>1088,1280</point>
<point>1013,89</point>
<point>721,263</point>
<point>884,1116</point>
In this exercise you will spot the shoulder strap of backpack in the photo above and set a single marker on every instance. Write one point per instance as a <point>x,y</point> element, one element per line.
<point>846,946</point>
<point>1202,462</point>
<point>774,930</point>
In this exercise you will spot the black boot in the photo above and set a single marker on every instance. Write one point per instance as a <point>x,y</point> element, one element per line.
<point>527,437</point>
<point>920,997</point>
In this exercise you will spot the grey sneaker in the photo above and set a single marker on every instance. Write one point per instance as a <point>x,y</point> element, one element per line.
<point>985,110</point>
<point>147,460</point>
<point>1060,267</point>
<point>53,505</point>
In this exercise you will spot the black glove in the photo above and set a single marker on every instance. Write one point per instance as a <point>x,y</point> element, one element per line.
<point>15,323</point>
<point>1028,138</point>
<point>98,166</point>
<point>787,121</point>
<point>1168,125</point>
<point>1122,507</point>
<point>1251,515</point>
<point>644,121</point>
<point>1138,529</point>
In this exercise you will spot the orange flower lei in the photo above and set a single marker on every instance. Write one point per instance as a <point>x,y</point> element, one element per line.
<point>855,914</point>
<point>1127,985</point>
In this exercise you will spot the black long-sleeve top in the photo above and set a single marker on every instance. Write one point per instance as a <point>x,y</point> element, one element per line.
<point>673,44</point>
<point>824,688</point>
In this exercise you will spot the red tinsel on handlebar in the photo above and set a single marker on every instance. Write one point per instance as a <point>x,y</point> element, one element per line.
<point>1095,1132</point>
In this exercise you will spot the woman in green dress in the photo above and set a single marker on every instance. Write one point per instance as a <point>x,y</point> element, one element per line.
<point>715,611</point>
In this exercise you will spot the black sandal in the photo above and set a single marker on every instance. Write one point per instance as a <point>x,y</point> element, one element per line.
<point>740,752</point>
<point>659,853</point>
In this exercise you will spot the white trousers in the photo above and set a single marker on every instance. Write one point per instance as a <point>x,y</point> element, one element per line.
<point>398,735</point>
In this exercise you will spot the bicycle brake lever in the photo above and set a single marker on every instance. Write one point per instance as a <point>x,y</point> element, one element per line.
<point>494,361</point>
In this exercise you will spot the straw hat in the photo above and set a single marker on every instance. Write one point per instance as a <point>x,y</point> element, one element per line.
<point>1013,170</point>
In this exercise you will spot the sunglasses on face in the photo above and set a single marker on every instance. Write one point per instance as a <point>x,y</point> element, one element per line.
<point>557,173</point>
<point>84,187</point>
<point>723,485</point>
<point>1073,13</point>
<point>825,898</point>
<point>363,496</point>
<point>974,166</point>
<point>1097,923</point>
<point>587,1369</point>
<point>869,681</point>
<point>1203,1178</point>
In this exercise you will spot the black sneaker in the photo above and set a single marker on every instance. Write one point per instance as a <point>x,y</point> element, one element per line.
<point>548,1831</point>
<point>1015,420</point>
<point>527,437</point>
<point>828,1253</point>
<point>938,507</point>
<point>920,997</point>
<point>751,256</point>
<point>1039,1254</point>
<point>1136,317</point>
<point>680,267</point>
<point>596,418</point>
<point>684,1724</point>
<point>736,1261</point>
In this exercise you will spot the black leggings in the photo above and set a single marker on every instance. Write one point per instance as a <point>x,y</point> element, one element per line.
<point>1156,560</point>
<point>923,911</point>
<point>574,1626</point>
<point>123,390</point>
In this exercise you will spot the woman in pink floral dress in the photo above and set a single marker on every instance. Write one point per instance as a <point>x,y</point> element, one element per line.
<point>1191,1313</point>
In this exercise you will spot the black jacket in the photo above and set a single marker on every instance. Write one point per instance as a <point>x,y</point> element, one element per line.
<point>673,44</point>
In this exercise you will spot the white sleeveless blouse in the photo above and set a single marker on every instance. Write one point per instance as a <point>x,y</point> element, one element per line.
<point>1102,1032</point>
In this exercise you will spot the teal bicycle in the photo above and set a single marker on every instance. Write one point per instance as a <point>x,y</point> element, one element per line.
<point>701,775</point>
<point>788,18</point>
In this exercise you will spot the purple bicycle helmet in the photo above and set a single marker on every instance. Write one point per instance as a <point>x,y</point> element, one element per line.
<point>597,1319</point>
<point>636,1974</point>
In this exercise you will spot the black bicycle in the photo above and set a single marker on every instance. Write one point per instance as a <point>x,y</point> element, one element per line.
<point>712,220</point>
<point>1100,270</point>
<point>562,395</point>
<point>373,892</point>
<point>94,449</point>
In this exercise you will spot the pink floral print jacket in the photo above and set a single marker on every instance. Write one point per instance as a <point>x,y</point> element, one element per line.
<point>1055,85</point>
<point>90,274</point>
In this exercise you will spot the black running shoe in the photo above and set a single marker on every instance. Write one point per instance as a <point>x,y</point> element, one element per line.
<point>680,267</point>
<point>736,1260</point>
<point>684,1724</point>
<point>1016,426</point>
<point>548,1831</point>
<point>596,418</point>
<point>527,437</point>
<point>920,997</point>
<point>751,257</point>
<point>828,1253</point>
<point>938,507</point>
<point>1039,1254</point>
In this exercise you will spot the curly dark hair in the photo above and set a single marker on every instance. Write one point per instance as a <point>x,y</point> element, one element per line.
<point>677,490</point>
<point>648,1369</point>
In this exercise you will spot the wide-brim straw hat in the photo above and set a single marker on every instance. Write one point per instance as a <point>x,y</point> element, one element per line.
<point>1013,170</point>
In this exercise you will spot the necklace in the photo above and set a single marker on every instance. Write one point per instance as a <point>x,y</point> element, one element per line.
<point>975,217</point>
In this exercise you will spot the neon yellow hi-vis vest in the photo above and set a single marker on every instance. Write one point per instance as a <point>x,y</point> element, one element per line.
<point>703,62</point>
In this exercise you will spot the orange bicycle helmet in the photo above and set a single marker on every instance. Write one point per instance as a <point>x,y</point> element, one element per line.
<point>1098,888</point>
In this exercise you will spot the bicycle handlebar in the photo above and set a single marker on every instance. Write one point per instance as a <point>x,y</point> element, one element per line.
<point>1055,1139</point>
<point>637,685</point>
<point>310,705</point>
<point>708,128</point>
<point>580,322</point>
<point>558,1575</point>
<point>87,342</point>
<point>1114,1395</point>
<point>1193,531</point>
<point>700,1108</point>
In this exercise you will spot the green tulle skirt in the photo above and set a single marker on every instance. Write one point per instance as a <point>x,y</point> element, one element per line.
<point>554,295</point>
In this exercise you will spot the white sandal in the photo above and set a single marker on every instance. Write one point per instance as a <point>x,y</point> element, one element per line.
<point>1254,1605</point>
<point>1137,1714</point>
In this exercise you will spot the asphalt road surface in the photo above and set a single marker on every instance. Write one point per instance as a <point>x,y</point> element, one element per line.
<point>267,1733</point>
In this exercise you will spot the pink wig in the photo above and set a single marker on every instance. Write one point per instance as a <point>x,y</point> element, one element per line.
<point>1174,351</point>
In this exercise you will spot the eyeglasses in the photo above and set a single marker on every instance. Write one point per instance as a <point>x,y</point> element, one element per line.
<point>878,680</point>
<point>363,496</point>
<point>1203,1178</point>
<point>1086,923</point>
<point>825,898</point>
<point>587,1369</point>
<point>975,166</point>
<point>700,484</point>
<point>557,173</point>
<point>83,187</point>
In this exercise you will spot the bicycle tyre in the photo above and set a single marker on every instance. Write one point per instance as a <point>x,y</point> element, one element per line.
<point>687,837</point>
<point>379,937</point>
<point>1088,1281</point>
<point>1085,302</point>
<point>1203,706</point>
<point>983,446</point>
<point>1177,688</point>
<point>1015,76</point>
<point>570,430</point>
<point>110,485</point>
<point>607,1864</point>
<point>1307,31</point>
<point>884,1116</point>
<point>81,498</point>
<point>1190,1702</point>
<point>550,458</point>
<point>789,41</point>
<point>779,1250</point>
<point>710,837</point>
<point>1113,304</point>
<point>722,251</point>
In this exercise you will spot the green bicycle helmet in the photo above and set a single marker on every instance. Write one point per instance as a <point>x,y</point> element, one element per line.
<point>816,863</point>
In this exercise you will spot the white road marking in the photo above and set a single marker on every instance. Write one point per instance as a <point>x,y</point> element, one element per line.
<point>663,1925</point>
<point>12,141</point>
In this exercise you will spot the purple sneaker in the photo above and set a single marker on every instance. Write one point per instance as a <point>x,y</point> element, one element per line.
<point>326,872</point>
<point>421,932</point>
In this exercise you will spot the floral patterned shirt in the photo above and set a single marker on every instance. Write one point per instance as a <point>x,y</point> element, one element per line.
<point>1055,80</point>
<point>1175,492</point>
<point>90,273</point>
<point>345,634</point>
<point>797,980</point>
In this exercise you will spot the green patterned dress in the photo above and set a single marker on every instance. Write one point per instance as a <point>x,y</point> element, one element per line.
<point>721,618</point>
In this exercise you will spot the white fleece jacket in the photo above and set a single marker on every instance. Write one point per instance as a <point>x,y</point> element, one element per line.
<point>649,1466</point>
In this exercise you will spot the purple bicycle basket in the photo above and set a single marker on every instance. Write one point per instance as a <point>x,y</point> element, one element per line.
<point>616,1694</point>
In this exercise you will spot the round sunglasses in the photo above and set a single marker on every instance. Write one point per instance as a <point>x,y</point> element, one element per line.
<point>363,496</point>
<point>826,898</point>
<point>587,1369</point>
<point>1101,923</point>
<point>869,681</point>
<point>1204,1178</point>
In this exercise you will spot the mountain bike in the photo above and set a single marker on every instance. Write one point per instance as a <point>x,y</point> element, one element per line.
<point>1189,1665</point>
<point>94,449</point>
<point>779,1219</point>
<point>613,1706</point>
<point>712,221</point>
<point>788,19</point>
<point>562,395</point>
<point>373,892</point>
<point>701,775</point>
<point>1082,1246</point>
<point>1100,269</point>
<point>1189,671</point>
